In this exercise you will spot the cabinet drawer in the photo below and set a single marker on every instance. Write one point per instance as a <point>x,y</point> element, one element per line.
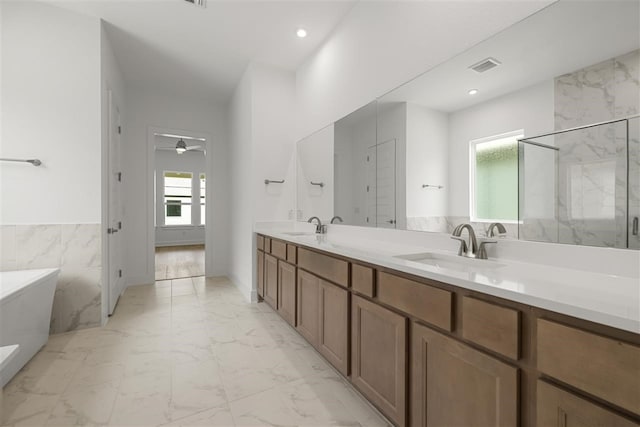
<point>260,242</point>
<point>279,249</point>
<point>559,408</point>
<point>291,254</point>
<point>425,302</point>
<point>601,366</point>
<point>491,326</point>
<point>330,268</point>
<point>362,280</point>
<point>267,245</point>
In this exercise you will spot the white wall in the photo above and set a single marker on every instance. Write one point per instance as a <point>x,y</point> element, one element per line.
<point>241,189</point>
<point>262,147</point>
<point>145,109</point>
<point>427,160</point>
<point>380,45</point>
<point>315,163</point>
<point>273,101</point>
<point>190,161</point>
<point>530,109</point>
<point>50,111</point>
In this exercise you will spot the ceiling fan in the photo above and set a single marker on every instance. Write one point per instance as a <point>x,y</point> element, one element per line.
<point>181,146</point>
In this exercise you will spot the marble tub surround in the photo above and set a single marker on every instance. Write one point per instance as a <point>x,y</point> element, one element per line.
<point>595,284</point>
<point>183,352</point>
<point>76,250</point>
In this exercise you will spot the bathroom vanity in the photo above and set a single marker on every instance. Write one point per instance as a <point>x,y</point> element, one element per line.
<point>437,341</point>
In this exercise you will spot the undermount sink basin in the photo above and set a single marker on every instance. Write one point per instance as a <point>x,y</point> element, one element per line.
<point>452,262</point>
<point>298,233</point>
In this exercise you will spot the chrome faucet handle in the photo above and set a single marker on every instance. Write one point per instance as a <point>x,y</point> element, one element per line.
<point>482,249</point>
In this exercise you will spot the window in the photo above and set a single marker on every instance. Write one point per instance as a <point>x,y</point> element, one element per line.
<point>493,178</point>
<point>203,192</point>
<point>177,198</point>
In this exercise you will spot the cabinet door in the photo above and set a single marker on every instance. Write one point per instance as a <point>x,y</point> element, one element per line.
<point>287,292</point>
<point>378,362</point>
<point>558,408</point>
<point>271,280</point>
<point>455,385</point>
<point>308,306</point>
<point>333,342</point>
<point>261,273</point>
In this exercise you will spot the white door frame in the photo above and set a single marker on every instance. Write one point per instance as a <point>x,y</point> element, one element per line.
<point>150,196</point>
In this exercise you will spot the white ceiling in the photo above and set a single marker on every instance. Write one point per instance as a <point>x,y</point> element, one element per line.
<point>564,37</point>
<point>188,50</point>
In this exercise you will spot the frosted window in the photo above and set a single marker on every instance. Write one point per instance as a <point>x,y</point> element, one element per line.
<point>494,179</point>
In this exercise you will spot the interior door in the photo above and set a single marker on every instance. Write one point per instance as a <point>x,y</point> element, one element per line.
<point>386,184</point>
<point>114,234</point>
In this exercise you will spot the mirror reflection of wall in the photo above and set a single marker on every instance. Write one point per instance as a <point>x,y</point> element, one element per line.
<point>355,167</point>
<point>462,126</point>
<point>444,146</point>
<point>315,175</point>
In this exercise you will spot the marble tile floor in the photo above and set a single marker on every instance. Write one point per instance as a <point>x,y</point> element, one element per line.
<point>183,352</point>
<point>173,262</point>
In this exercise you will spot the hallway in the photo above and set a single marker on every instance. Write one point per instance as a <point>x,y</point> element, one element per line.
<point>174,262</point>
<point>183,352</point>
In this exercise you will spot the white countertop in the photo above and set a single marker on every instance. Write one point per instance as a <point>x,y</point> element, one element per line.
<point>607,299</point>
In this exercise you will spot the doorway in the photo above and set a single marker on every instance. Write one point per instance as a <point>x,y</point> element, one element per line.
<point>179,197</point>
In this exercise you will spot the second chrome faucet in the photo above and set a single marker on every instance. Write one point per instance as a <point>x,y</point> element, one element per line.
<point>474,248</point>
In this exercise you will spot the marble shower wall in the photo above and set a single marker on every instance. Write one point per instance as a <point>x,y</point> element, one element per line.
<point>76,250</point>
<point>592,175</point>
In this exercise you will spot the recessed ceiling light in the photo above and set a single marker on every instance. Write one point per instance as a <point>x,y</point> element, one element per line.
<point>301,32</point>
<point>473,91</point>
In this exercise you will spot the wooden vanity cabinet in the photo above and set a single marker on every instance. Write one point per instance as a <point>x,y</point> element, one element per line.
<point>428,353</point>
<point>379,357</point>
<point>333,337</point>
<point>453,384</point>
<point>271,281</point>
<point>323,318</point>
<point>308,306</point>
<point>558,408</point>
<point>260,267</point>
<point>287,292</point>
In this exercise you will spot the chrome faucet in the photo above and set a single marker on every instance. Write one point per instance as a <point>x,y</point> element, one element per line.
<point>320,229</point>
<point>336,218</point>
<point>496,225</point>
<point>468,250</point>
<point>475,248</point>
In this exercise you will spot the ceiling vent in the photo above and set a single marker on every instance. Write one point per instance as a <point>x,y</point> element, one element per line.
<point>484,65</point>
<point>201,3</point>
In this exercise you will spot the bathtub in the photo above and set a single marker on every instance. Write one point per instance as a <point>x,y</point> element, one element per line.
<point>26,299</point>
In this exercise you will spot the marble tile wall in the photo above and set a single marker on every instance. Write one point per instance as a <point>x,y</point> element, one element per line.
<point>592,175</point>
<point>76,250</point>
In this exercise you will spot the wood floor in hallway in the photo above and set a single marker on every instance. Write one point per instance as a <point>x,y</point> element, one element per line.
<point>174,262</point>
<point>184,352</point>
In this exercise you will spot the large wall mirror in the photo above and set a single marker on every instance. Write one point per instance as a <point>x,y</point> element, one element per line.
<point>536,128</point>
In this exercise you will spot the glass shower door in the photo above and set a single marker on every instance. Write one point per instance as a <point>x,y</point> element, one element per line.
<point>633,190</point>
